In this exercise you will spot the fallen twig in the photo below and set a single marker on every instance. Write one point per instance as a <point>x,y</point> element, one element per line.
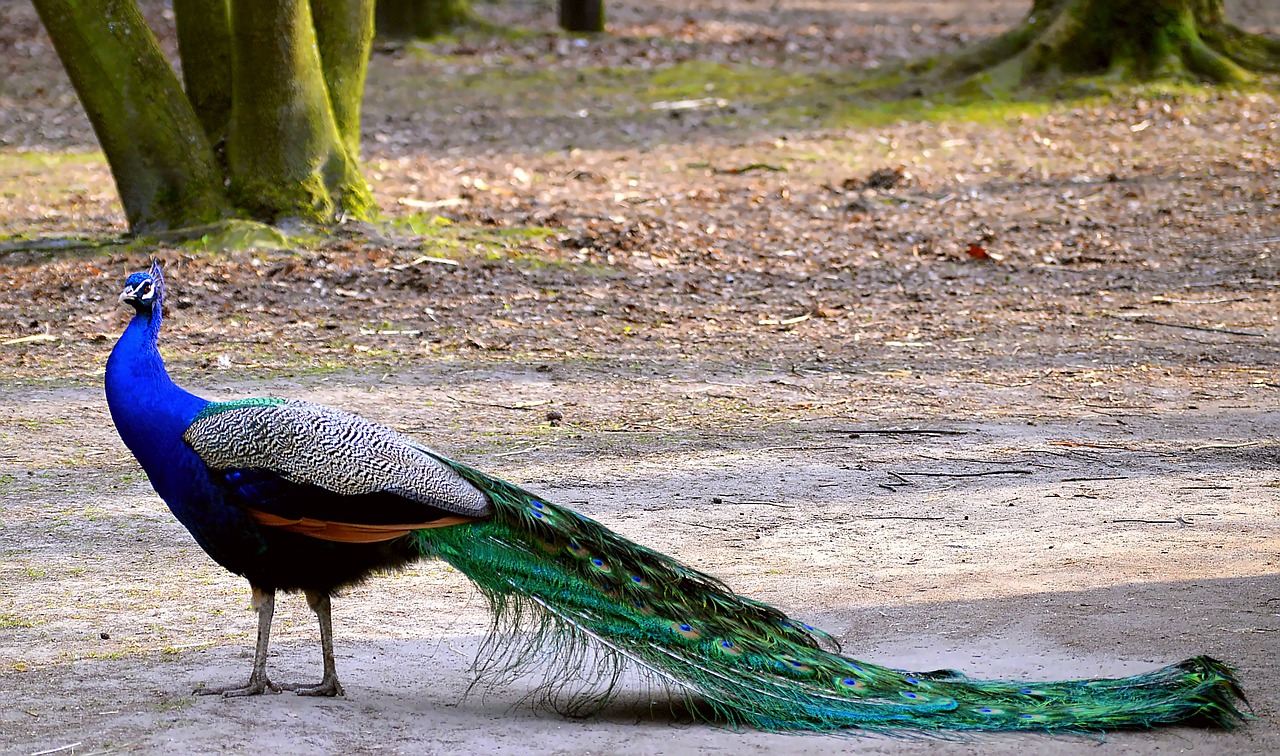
<point>1101,477</point>
<point>904,481</point>
<point>897,431</point>
<point>799,448</point>
<point>1188,326</point>
<point>521,406</point>
<point>749,168</point>
<point>899,517</point>
<point>29,339</point>
<point>968,474</point>
<point>778,504</point>
<point>784,321</point>
<point>1148,522</point>
<point>514,452</point>
<point>1216,300</point>
<point>425,259</point>
<point>1225,446</point>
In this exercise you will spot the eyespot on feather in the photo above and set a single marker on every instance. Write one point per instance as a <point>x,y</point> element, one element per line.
<point>687,630</point>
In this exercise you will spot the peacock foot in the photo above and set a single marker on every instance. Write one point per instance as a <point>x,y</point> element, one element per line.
<point>256,686</point>
<point>329,686</point>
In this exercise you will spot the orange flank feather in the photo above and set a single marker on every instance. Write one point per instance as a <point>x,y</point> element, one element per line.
<point>350,532</point>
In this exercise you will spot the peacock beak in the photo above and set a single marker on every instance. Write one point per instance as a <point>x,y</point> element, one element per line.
<point>137,295</point>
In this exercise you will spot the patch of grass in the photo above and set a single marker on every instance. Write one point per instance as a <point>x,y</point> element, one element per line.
<point>12,621</point>
<point>602,91</point>
<point>118,654</point>
<point>177,703</point>
<point>33,424</point>
<point>697,79</point>
<point>869,112</point>
<point>758,95</point>
<point>16,162</point>
<point>228,235</point>
<point>752,95</point>
<point>445,238</point>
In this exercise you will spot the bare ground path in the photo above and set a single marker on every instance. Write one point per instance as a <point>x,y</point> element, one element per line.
<point>1099,541</point>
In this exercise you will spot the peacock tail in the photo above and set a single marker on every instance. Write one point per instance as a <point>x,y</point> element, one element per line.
<point>578,585</point>
<point>294,496</point>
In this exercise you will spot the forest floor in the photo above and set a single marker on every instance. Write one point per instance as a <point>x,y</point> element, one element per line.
<point>974,385</point>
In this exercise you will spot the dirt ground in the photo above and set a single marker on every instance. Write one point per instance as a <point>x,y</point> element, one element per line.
<point>991,389</point>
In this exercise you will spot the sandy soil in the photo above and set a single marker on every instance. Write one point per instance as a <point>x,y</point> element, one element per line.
<point>1097,541</point>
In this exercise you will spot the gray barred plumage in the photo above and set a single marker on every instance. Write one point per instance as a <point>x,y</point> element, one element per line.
<point>337,451</point>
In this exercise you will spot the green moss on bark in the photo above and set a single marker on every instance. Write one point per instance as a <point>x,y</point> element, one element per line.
<point>344,33</point>
<point>268,126</point>
<point>204,42</point>
<point>1118,39</point>
<point>285,155</point>
<point>162,163</point>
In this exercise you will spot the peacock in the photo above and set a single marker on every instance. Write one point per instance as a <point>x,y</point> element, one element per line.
<point>299,497</point>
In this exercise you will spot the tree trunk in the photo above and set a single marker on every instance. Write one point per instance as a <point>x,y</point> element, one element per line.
<point>1122,39</point>
<point>163,166</point>
<point>204,42</point>
<point>269,125</point>
<point>421,19</point>
<point>582,15</point>
<point>344,33</point>
<point>285,155</point>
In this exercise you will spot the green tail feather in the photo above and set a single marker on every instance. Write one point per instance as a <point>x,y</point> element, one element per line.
<point>595,599</point>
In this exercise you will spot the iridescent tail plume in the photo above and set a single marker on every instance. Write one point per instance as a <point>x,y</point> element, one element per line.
<point>577,585</point>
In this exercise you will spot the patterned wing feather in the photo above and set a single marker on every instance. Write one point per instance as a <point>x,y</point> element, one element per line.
<point>337,451</point>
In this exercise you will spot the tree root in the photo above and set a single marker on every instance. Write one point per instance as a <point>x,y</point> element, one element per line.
<point>1064,41</point>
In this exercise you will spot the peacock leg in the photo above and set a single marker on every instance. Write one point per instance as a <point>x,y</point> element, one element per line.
<point>265,602</point>
<point>328,685</point>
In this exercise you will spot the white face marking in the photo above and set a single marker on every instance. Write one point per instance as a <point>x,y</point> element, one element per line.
<point>143,292</point>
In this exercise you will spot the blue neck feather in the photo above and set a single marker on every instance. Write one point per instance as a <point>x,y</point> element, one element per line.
<point>150,411</point>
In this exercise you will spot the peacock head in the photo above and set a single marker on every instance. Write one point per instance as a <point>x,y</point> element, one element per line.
<point>144,292</point>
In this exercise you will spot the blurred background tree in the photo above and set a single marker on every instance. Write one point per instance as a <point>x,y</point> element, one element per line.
<point>267,127</point>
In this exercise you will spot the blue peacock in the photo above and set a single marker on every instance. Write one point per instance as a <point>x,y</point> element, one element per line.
<point>298,497</point>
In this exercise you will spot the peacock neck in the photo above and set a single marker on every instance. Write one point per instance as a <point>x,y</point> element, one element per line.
<point>149,410</point>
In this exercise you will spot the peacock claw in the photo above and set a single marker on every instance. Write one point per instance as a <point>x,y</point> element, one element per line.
<point>255,687</point>
<point>329,686</point>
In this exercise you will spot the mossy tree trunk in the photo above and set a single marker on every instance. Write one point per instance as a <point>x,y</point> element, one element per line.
<point>422,19</point>
<point>163,166</point>
<point>1059,39</point>
<point>285,154</point>
<point>344,33</point>
<point>268,126</point>
<point>204,42</point>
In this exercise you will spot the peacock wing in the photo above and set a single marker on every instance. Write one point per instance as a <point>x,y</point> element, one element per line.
<point>328,474</point>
